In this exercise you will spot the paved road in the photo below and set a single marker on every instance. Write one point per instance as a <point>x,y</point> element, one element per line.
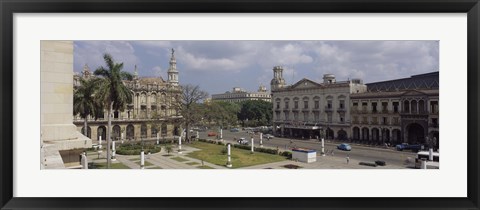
<point>359,152</point>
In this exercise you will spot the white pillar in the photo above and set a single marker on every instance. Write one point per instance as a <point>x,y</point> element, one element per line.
<point>158,138</point>
<point>113,150</point>
<point>229,160</point>
<point>142,160</point>
<point>323,147</point>
<point>84,161</point>
<point>179,145</point>
<point>121,137</point>
<point>100,142</point>
<point>252,145</point>
<point>198,136</point>
<point>261,138</point>
<point>430,154</point>
<point>221,134</point>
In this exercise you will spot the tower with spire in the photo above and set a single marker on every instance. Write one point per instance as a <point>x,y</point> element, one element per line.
<point>86,72</point>
<point>172,70</point>
<point>277,81</point>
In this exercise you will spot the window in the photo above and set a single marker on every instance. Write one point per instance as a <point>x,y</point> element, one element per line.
<point>305,104</point>
<point>317,104</point>
<point>286,104</point>
<point>384,106</point>
<point>434,107</point>
<point>342,104</point>
<point>295,104</point>
<point>287,116</point>
<point>395,107</point>
<point>316,116</point>
<point>374,107</point>
<point>329,104</point>
<point>384,120</point>
<point>295,115</point>
<point>278,105</point>
<point>305,116</point>
<point>329,118</point>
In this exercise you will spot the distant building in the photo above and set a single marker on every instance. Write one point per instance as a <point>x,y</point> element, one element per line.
<point>152,111</point>
<point>308,109</point>
<point>239,95</point>
<point>397,111</point>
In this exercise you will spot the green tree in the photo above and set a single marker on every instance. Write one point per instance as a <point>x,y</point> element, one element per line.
<point>84,103</point>
<point>112,92</point>
<point>256,113</point>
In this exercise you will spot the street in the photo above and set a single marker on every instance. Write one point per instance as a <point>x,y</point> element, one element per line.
<point>358,152</point>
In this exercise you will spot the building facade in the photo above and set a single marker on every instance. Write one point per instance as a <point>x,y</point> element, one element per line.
<point>398,111</point>
<point>239,95</point>
<point>153,110</point>
<point>309,109</point>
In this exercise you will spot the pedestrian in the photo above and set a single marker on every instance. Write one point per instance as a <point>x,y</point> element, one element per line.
<point>348,159</point>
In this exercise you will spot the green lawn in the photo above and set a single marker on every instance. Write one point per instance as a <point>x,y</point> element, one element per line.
<point>192,163</point>
<point>240,158</point>
<point>146,163</point>
<point>112,166</point>
<point>179,159</point>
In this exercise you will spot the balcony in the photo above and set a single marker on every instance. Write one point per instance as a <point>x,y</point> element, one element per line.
<point>305,110</point>
<point>341,109</point>
<point>295,109</point>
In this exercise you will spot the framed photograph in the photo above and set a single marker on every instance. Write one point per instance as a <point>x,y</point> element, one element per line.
<point>239,105</point>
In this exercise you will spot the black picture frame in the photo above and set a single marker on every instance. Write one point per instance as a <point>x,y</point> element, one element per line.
<point>10,7</point>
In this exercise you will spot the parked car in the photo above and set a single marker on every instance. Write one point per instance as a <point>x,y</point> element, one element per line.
<point>234,130</point>
<point>345,147</point>
<point>242,141</point>
<point>212,134</point>
<point>269,136</point>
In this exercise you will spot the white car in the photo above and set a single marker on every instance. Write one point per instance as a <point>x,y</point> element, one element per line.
<point>269,136</point>
<point>242,141</point>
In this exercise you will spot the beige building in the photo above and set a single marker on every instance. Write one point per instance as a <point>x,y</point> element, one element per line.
<point>61,143</point>
<point>153,110</point>
<point>239,95</point>
<point>398,111</point>
<point>308,109</point>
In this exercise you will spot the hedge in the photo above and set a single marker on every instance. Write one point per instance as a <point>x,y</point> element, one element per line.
<point>136,148</point>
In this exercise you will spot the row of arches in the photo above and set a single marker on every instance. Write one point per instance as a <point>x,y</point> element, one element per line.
<point>130,131</point>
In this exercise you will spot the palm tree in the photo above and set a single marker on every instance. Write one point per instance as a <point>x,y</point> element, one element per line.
<point>83,101</point>
<point>112,92</point>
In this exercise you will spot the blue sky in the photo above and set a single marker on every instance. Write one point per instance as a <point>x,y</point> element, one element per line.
<point>217,66</point>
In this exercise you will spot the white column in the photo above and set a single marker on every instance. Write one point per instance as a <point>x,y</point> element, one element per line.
<point>198,136</point>
<point>158,138</point>
<point>323,147</point>
<point>121,137</point>
<point>142,160</point>
<point>261,138</point>
<point>229,160</point>
<point>100,142</point>
<point>252,145</point>
<point>84,161</point>
<point>179,145</point>
<point>221,134</point>
<point>113,150</point>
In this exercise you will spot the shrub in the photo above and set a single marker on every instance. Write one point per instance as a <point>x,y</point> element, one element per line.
<point>286,154</point>
<point>224,151</point>
<point>380,163</point>
<point>245,147</point>
<point>136,148</point>
<point>266,150</point>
